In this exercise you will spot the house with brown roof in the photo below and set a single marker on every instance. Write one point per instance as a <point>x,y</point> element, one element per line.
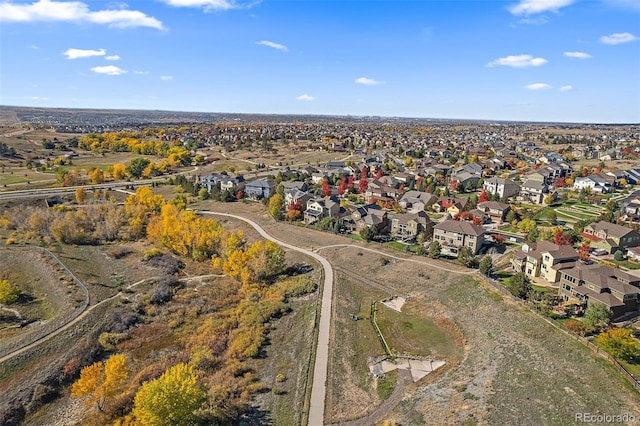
<point>495,210</point>
<point>586,284</point>
<point>411,224</point>
<point>544,259</point>
<point>417,200</point>
<point>610,237</point>
<point>453,235</point>
<point>450,205</point>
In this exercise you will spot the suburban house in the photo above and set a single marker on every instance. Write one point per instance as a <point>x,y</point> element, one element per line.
<point>594,183</point>
<point>610,237</point>
<point>505,188</point>
<point>495,210</point>
<point>295,184</point>
<point>633,253</point>
<point>259,188</point>
<point>544,259</point>
<point>366,217</point>
<point>222,182</point>
<point>417,200</point>
<point>450,205</point>
<point>586,284</point>
<point>319,208</point>
<point>453,235</point>
<point>411,224</point>
<point>533,191</point>
<point>296,196</point>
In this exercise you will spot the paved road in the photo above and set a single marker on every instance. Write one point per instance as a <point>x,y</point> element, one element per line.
<point>319,386</point>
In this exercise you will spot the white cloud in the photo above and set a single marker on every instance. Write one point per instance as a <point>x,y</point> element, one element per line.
<point>38,98</point>
<point>578,55</point>
<point>367,81</point>
<point>618,38</point>
<point>565,88</point>
<point>305,97</point>
<point>518,61</point>
<point>537,86</point>
<point>83,53</point>
<point>273,45</point>
<point>108,70</point>
<point>166,77</point>
<point>141,72</point>
<point>204,4</point>
<point>75,11</point>
<point>34,47</point>
<point>112,58</point>
<point>531,7</point>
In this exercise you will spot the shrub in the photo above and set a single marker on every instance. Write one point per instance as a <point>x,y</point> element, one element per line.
<point>120,252</point>
<point>618,255</point>
<point>150,254</point>
<point>576,326</point>
<point>279,391</point>
<point>281,378</point>
<point>166,262</point>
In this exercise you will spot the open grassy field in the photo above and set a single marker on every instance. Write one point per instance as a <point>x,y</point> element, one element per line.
<point>351,392</point>
<point>408,333</point>
<point>46,292</point>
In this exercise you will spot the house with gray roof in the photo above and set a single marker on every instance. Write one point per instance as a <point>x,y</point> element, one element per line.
<point>259,188</point>
<point>505,188</point>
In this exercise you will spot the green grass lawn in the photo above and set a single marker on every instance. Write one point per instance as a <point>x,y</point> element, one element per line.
<point>403,247</point>
<point>406,333</point>
<point>9,179</point>
<point>626,264</point>
<point>542,289</point>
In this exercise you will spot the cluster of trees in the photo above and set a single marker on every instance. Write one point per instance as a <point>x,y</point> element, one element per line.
<point>131,142</point>
<point>207,379</point>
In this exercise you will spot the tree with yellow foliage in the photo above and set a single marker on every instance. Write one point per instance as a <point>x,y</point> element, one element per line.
<point>81,195</point>
<point>8,293</point>
<point>171,400</point>
<point>119,171</point>
<point>96,176</point>
<point>100,381</point>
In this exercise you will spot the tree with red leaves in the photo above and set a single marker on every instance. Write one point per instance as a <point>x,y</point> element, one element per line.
<point>350,181</point>
<point>560,182</point>
<point>364,184</point>
<point>583,251</point>
<point>453,185</point>
<point>379,173</point>
<point>498,238</point>
<point>561,238</point>
<point>326,189</point>
<point>240,195</point>
<point>512,163</point>
<point>343,186</point>
<point>294,212</point>
<point>476,221</point>
<point>483,197</point>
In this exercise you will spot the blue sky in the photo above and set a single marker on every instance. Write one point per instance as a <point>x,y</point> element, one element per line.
<point>532,60</point>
